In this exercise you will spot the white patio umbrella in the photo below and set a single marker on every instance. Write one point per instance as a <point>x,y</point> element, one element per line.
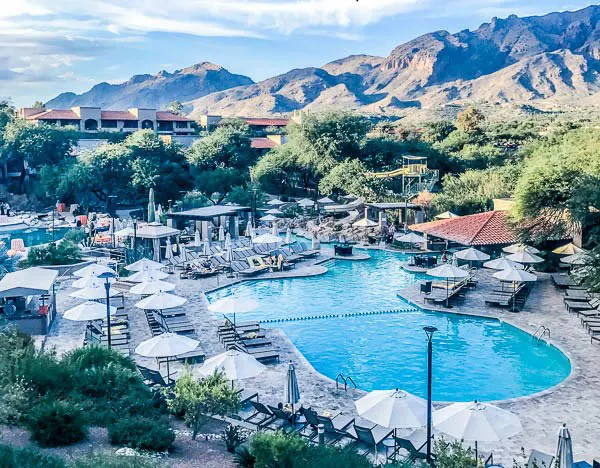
<point>325,200</point>
<point>161,301</point>
<point>410,238</point>
<point>268,218</point>
<point>152,287</point>
<point>394,409</point>
<point>168,249</point>
<point>503,263</point>
<point>267,239</point>
<point>365,222</point>
<point>275,202</point>
<point>525,257</point>
<point>94,269</point>
<point>221,234</point>
<point>197,240</point>
<point>147,275</point>
<point>515,276</point>
<point>291,394</point>
<point>274,212</point>
<point>446,215</point>
<point>568,249</point>
<point>94,293</point>
<point>575,259</point>
<point>288,236</point>
<point>564,449</point>
<point>234,364</point>
<point>87,311</point>
<point>514,248</point>
<point>449,272</point>
<point>472,255</point>
<point>144,264</point>
<point>476,422</point>
<point>233,305</point>
<point>91,281</point>
<point>166,345</point>
<point>306,202</point>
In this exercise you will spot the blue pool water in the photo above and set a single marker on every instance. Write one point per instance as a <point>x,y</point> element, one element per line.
<point>474,358</point>
<point>32,236</point>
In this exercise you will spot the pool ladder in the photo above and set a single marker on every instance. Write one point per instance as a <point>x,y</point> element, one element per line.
<point>345,379</point>
<point>541,332</point>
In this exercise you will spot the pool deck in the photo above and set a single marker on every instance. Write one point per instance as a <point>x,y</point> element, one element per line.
<point>576,401</point>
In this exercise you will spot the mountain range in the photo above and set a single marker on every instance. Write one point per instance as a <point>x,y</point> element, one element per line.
<point>540,59</point>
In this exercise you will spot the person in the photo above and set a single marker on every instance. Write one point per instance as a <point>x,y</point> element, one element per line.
<point>2,209</point>
<point>444,258</point>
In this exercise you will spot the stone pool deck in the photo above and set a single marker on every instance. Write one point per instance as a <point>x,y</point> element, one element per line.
<point>576,401</point>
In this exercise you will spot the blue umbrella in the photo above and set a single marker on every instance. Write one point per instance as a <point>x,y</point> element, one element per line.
<point>564,450</point>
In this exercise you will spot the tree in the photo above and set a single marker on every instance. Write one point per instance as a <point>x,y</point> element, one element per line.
<point>435,132</point>
<point>469,120</point>
<point>175,107</point>
<point>200,400</point>
<point>38,105</point>
<point>351,177</point>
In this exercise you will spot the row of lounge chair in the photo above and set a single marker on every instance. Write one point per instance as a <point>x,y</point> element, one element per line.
<point>513,298</point>
<point>96,333</point>
<point>587,307</point>
<point>247,337</point>
<point>441,293</point>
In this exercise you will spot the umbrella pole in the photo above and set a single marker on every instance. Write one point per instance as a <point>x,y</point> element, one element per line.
<point>514,293</point>
<point>168,372</point>
<point>476,453</point>
<point>447,294</point>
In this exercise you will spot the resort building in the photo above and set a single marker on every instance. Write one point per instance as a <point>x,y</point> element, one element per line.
<point>94,119</point>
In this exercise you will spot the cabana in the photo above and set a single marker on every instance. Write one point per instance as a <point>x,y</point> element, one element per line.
<point>154,232</point>
<point>206,219</point>
<point>28,299</point>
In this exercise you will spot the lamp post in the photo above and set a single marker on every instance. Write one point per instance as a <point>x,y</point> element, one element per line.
<point>253,206</point>
<point>111,211</point>
<point>429,331</point>
<point>107,276</point>
<point>183,194</point>
<point>53,228</point>
<point>134,239</point>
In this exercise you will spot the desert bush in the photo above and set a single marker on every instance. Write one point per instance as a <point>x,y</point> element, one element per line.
<point>96,356</point>
<point>14,457</point>
<point>55,423</point>
<point>15,402</point>
<point>114,461</point>
<point>277,449</point>
<point>63,253</point>
<point>75,236</point>
<point>143,433</point>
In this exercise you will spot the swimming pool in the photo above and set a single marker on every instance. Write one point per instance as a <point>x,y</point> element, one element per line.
<point>33,236</point>
<point>474,358</point>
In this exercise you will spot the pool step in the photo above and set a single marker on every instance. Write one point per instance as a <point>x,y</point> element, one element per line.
<point>328,316</point>
<point>328,263</point>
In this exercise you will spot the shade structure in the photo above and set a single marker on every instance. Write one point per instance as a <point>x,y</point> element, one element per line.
<point>89,310</point>
<point>197,240</point>
<point>514,248</point>
<point>575,259</point>
<point>268,218</point>
<point>233,305</point>
<point>476,422</point>
<point>564,449</point>
<point>90,281</point>
<point>473,255</point>
<point>365,222</point>
<point>144,264</point>
<point>446,215</point>
<point>94,293</point>
<point>147,275</point>
<point>291,394</point>
<point>525,257</point>
<point>152,287</point>
<point>503,263</point>
<point>410,238</point>
<point>394,409</point>
<point>166,345</point>
<point>267,239</point>
<point>275,202</point>
<point>274,212</point>
<point>236,365</point>
<point>94,269</point>
<point>288,236</point>
<point>28,282</point>
<point>568,249</point>
<point>161,301</point>
<point>449,272</point>
<point>221,234</point>
<point>306,202</point>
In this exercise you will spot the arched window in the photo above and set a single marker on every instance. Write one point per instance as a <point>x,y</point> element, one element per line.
<point>91,124</point>
<point>148,124</point>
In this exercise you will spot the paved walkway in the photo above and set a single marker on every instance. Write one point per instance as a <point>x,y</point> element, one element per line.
<point>576,401</point>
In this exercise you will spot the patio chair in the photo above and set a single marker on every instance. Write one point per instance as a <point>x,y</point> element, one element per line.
<point>426,287</point>
<point>284,421</point>
<point>261,417</point>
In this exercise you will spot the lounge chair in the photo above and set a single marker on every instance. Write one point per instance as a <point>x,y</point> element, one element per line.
<point>153,378</point>
<point>370,440</point>
<point>539,460</point>
<point>403,446</point>
<point>284,421</point>
<point>576,306</point>
<point>261,417</point>
<point>335,428</point>
<point>246,396</point>
<point>257,262</point>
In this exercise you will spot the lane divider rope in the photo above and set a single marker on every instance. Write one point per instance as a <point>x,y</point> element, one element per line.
<point>328,316</point>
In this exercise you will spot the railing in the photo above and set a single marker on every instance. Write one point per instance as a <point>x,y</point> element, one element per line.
<point>345,380</point>
<point>541,332</point>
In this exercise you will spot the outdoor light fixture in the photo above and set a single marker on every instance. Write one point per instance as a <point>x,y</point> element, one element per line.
<point>107,276</point>
<point>429,331</point>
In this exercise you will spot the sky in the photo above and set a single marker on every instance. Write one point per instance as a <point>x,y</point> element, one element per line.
<point>52,46</point>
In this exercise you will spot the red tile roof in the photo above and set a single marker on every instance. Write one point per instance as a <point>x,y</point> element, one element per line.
<point>263,143</point>
<point>169,116</point>
<point>267,122</point>
<point>55,114</point>
<point>117,115</point>
<point>488,228</point>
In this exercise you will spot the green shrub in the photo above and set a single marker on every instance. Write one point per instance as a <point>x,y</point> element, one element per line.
<point>143,433</point>
<point>233,437</point>
<point>96,356</point>
<point>63,253</point>
<point>277,449</point>
<point>15,402</point>
<point>13,457</point>
<point>56,423</point>
<point>75,236</point>
<point>243,457</point>
<point>114,461</point>
<point>44,373</point>
<point>325,456</point>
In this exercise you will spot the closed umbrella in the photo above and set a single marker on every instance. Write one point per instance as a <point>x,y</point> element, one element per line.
<point>394,409</point>
<point>205,250</point>
<point>183,253</point>
<point>94,269</point>
<point>274,229</point>
<point>520,248</point>
<point>197,240</point>
<point>292,392</point>
<point>525,257</point>
<point>147,275</point>
<point>288,236</point>
<point>166,345</point>
<point>476,422</point>
<point>410,238</point>
<point>234,364</point>
<point>315,245</point>
<point>168,250</point>
<point>87,311</point>
<point>90,281</point>
<point>515,276</point>
<point>568,249</point>
<point>221,234</point>
<point>227,241</point>
<point>94,293</point>
<point>564,449</point>
<point>503,263</point>
<point>449,272</point>
<point>144,264</point>
<point>152,287</point>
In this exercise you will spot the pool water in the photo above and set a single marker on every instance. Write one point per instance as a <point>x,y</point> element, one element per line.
<point>32,236</point>
<point>473,358</point>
